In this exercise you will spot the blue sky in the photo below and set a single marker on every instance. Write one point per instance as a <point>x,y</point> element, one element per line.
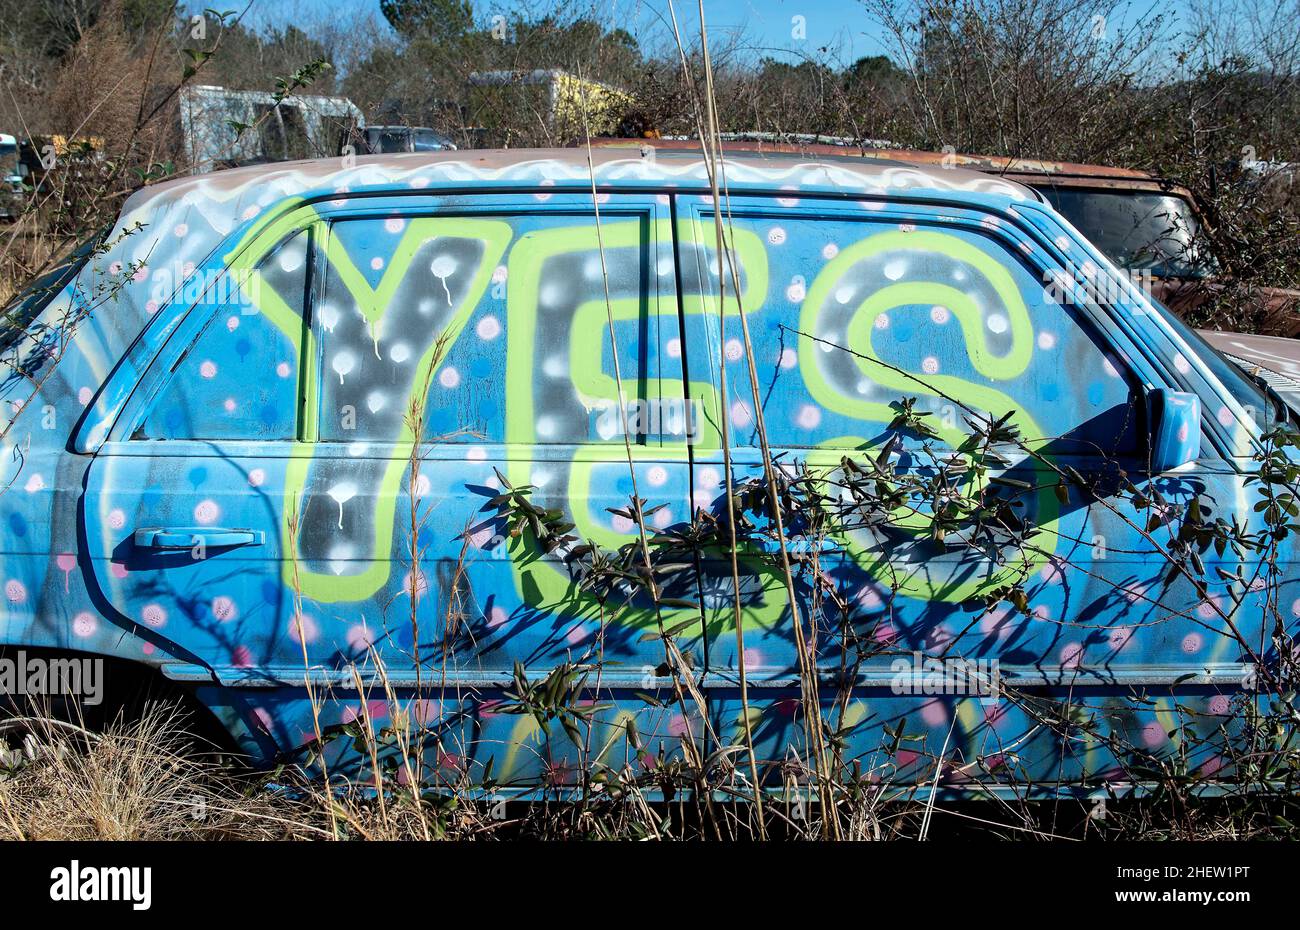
<point>843,27</point>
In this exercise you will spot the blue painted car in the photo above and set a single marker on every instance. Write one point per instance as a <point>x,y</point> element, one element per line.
<point>268,438</point>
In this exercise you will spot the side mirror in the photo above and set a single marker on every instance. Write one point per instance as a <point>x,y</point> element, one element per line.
<point>1175,419</point>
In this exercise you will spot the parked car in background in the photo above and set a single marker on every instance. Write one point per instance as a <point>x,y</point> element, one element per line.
<point>299,402</point>
<point>389,140</point>
<point>11,178</point>
<point>223,128</point>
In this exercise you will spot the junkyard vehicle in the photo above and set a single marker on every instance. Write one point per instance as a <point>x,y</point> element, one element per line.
<point>286,419</point>
<point>224,128</point>
<point>388,140</point>
<point>11,179</point>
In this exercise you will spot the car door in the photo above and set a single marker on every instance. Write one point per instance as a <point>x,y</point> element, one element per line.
<point>526,316</point>
<point>857,307</point>
<point>183,513</point>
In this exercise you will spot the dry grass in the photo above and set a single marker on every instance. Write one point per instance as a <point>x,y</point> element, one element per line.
<point>138,781</point>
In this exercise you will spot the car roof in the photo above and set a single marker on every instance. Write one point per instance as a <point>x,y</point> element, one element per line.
<point>1035,172</point>
<point>641,162</point>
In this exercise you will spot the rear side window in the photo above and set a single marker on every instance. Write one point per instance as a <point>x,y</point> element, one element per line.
<point>859,313</point>
<point>239,378</point>
<point>500,322</point>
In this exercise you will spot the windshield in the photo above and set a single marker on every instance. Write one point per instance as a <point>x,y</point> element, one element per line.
<point>427,140</point>
<point>27,304</point>
<point>392,140</point>
<point>1137,230</point>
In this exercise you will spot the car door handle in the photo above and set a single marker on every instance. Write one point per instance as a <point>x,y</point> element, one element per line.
<point>187,537</point>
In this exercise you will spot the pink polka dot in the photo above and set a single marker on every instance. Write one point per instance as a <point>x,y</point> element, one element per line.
<point>734,350</point>
<point>303,627</point>
<point>256,477</point>
<point>263,719</point>
<point>1071,654</point>
<point>939,315</point>
<point>232,323</point>
<point>809,416</point>
<point>488,328</point>
<point>449,377</point>
<point>1153,734</point>
<point>208,369</point>
<point>741,415</point>
<point>415,584</point>
<point>283,369</point>
<point>1212,766</point>
<point>207,512</point>
<point>1192,642</point>
<point>15,591</point>
<point>84,396</point>
<point>376,263</point>
<point>1220,705</point>
<point>154,615</point>
<point>934,713</point>
<point>1225,416</point>
<point>84,624</point>
<point>930,365</point>
<point>241,657</point>
<point>788,358</point>
<point>394,224</point>
<point>223,608</point>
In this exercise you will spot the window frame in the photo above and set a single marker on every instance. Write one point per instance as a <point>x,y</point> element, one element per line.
<point>971,217</point>
<point>647,206</point>
<point>161,370</point>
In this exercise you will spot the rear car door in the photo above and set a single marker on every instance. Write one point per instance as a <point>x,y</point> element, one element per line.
<point>857,306</point>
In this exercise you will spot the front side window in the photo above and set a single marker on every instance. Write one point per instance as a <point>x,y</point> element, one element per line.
<point>239,379</point>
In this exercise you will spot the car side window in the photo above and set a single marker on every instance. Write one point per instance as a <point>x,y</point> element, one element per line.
<point>499,321</point>
<point>859,314</point>
<point>239,379</point>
